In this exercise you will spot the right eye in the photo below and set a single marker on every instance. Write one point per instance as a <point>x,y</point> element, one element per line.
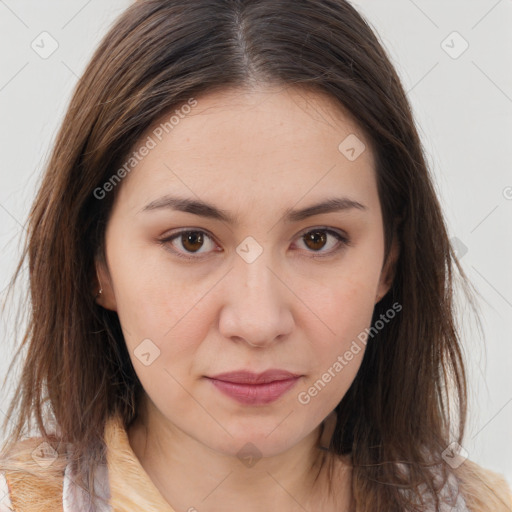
<point>190,240</point>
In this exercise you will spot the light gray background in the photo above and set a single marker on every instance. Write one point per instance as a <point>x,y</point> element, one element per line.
<point>463,108</point>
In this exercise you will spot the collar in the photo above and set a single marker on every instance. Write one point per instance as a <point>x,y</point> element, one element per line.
<point>130,486</point>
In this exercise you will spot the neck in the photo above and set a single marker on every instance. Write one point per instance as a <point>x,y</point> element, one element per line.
<point>191,475</point>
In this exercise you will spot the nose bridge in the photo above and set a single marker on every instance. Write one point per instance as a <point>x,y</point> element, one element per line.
<point>255,307</point>
<point>252,267</point>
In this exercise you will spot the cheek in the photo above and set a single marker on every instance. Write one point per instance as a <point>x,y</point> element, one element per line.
<point>153,298</point>
<point>163,347</point>
<point>169,327</point>
<point>343,306</point>
<point>344,295</point>
<point>338,338</point>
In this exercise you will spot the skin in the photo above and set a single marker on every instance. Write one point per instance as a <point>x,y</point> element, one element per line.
<point>254,153</point>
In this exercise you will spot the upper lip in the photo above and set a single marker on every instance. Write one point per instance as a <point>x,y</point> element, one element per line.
<point>247,377</point>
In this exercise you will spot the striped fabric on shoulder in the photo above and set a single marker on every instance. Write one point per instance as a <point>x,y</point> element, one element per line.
<point>33,474</point>
<point>73,497</point>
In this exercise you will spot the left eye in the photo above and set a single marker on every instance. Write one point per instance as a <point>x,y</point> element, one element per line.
<point>316,239</point>
<point>192,241</point>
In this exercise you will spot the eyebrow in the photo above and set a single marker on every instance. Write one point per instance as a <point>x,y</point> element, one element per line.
<point>205,209</point>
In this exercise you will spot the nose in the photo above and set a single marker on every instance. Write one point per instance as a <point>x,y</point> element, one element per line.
<point>256,307</point>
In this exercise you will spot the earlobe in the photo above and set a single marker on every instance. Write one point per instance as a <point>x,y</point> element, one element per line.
<point>100,288</point>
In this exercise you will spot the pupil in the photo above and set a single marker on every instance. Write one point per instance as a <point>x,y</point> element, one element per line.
<point>316,237</point>
<point>193,238</point>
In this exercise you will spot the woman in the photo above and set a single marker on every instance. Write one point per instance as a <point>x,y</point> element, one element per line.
<point>240,278</point>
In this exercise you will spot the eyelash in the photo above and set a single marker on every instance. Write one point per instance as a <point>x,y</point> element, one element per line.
<point>343,240</point>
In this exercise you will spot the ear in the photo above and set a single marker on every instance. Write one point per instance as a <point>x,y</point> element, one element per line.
<point>388,272</point>
<point>106,298</point>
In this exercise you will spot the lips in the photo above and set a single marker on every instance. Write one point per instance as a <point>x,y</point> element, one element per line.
<point>246,377</point>
<point>255,389</point>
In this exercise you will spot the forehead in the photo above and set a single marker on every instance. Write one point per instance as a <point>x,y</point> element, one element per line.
<point>249,144</point>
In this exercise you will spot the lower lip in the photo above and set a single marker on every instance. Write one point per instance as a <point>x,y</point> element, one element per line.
<point>255,394</point>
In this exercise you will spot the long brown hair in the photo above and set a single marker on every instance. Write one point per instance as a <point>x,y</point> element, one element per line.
<point>158,55</point>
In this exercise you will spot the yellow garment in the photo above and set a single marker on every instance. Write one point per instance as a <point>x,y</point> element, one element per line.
<point>131,489</point>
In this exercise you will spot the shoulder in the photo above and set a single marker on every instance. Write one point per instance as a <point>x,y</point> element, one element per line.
<point>32,471</point>
<point>37,476</point>
<point>483,489</point>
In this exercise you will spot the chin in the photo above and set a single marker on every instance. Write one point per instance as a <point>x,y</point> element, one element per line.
<point>262,441</point>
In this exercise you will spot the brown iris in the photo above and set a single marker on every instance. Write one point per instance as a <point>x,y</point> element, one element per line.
<point>315,238</point>
<point>192,240</point>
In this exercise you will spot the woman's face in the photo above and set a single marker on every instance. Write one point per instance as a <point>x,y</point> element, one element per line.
<point>260,280</point>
